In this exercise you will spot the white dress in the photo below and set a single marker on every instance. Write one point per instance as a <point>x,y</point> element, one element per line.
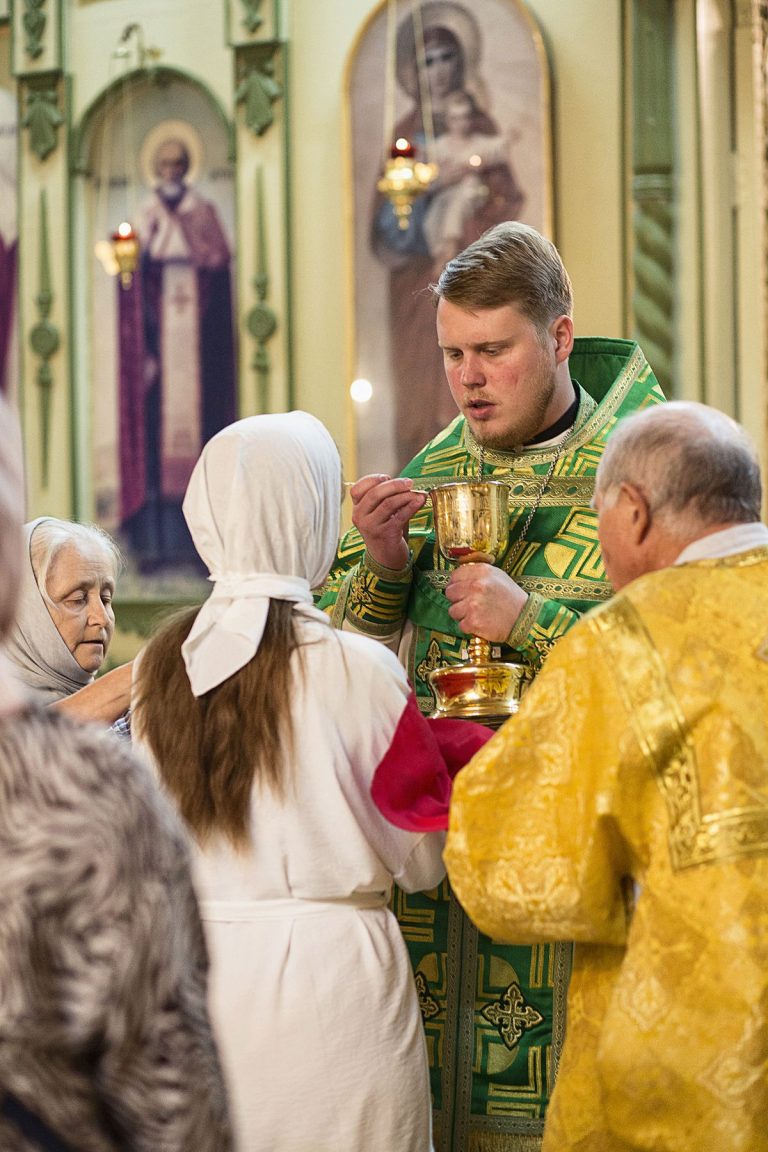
<point>311,991</point>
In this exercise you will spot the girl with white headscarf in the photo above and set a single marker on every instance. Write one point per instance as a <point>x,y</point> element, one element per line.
<point>268,727</point>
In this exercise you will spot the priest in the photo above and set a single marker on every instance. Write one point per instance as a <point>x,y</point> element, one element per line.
<point>536,408</point>
<point>625,807</point>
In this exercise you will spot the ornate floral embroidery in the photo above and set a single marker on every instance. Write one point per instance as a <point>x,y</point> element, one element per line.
<point>433,660</point>
<point>360,589</point>
<point>427,1006</point>
<point>695,836</point>
<point>511,1015</point>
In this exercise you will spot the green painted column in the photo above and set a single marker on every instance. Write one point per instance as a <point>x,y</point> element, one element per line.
<point>652,183</point>
<point>45,392</point>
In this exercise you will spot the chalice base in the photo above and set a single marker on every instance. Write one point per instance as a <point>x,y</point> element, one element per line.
<point>488,693</point>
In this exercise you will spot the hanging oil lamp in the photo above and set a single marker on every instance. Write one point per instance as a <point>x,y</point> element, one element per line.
<point>119,252</point>
<point>404,179</point>
<point>125,248</point>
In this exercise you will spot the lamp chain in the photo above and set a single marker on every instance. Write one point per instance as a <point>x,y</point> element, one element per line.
<point>102,195</point>
<point>390,64</point>
<point>424,93</point>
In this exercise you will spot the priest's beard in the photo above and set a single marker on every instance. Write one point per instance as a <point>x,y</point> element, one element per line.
<point>527,420</point>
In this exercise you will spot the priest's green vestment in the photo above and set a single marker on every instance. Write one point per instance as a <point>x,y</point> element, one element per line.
<point>494,1015</point>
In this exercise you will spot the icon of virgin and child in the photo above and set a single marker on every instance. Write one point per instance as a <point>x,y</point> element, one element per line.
<point>475,188</point>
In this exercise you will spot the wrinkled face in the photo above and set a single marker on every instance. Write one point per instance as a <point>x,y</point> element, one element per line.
<point>501,375</point>
<point>80,585</point>
<point>623,560</point>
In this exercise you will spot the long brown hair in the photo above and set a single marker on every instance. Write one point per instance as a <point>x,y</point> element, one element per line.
<point>211,751</point>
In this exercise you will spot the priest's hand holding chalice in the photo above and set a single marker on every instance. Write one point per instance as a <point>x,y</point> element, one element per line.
<point>472,527</point>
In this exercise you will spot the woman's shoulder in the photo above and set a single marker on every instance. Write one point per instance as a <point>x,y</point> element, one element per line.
<point>363,654</point>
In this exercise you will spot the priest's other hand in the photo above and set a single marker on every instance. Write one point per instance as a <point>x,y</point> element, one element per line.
<point>485,601</point>
<point>381,508</point>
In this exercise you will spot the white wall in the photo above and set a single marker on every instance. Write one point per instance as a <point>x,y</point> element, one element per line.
<point>190,35</point>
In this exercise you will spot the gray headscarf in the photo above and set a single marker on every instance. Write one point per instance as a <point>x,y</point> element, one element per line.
<point>38,655</point>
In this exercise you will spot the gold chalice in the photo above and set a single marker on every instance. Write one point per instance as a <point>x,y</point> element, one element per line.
<point>472,526</point>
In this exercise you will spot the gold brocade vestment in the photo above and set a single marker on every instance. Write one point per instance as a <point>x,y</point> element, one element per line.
<point>494,1015</point>
<point>558,563</point>
<point>626,807</point>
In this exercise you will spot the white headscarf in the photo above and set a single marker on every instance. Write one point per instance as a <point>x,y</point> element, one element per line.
<point>39,656</point>
<point>263,507</point>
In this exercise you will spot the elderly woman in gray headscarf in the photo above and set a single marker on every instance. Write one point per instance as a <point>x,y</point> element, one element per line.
<point>106,1041</point>
<point>65,619</point>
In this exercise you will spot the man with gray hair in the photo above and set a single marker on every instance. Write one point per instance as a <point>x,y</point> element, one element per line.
<point>668,482</point>
<point>626,805</point>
